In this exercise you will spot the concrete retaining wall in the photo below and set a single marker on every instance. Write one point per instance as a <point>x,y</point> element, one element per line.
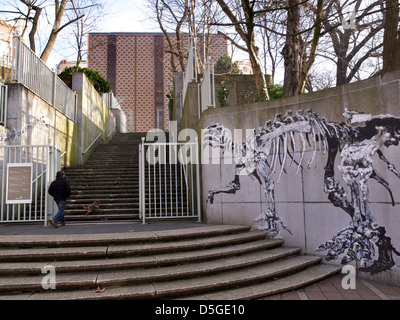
<point>301,200</point>
<point>67,135</point>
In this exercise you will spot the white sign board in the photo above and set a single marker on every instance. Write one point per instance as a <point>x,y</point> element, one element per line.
<point>19,183</point>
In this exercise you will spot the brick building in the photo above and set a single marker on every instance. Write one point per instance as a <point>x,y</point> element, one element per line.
<point>137,67</point>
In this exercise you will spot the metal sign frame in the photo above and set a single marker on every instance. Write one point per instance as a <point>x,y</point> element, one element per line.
<point>17,184</point>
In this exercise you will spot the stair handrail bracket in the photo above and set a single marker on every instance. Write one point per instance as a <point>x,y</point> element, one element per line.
<point>169,187</point>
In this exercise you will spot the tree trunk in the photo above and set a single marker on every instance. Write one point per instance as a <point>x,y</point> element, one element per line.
<point>291,50</point>
<point>306,66</point>
<point>59,11</point>
<point>248,37</point>
<point>261,83</point>
<point>391,39</point>
<point>35,22</point>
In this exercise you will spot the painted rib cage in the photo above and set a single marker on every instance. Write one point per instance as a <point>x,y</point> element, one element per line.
<point>284,137</point>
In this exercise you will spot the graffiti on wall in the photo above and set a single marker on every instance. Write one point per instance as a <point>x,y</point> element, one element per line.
<point>13,134</point>
<point>285,140</point>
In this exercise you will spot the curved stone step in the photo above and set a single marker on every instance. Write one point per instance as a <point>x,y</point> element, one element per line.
<point>176,288</point>
<point>113,278</point>
<point>263,289</point>
<point>157,260</point>
<point>32,241</point>
<point>194,262</point>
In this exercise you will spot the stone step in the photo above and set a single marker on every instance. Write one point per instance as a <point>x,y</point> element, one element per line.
<point>184,263</point>
<point>107,173</point>
<point>115,215</point>
<point>122,169</point>
<point>81,288</point>
<point>71,213</point>
<point>118,187</point>
<point>157,260</point>
<point>263,289</point>
<point>64,241</point>
<point>97,196</point>
<point>166,207</point>
<point>118,278</point>
<point>71,203</point>
<point>103,205</point>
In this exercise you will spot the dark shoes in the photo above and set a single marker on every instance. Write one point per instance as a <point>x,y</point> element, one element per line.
<point>54,224</point>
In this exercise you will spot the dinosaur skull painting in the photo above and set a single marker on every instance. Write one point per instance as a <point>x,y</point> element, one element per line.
<point>285,140</point>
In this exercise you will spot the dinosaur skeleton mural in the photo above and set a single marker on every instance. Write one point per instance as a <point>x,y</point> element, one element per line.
<point>357,139</point>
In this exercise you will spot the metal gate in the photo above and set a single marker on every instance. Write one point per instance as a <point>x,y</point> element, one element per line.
<point>26,172</point>
<point>169,181</point>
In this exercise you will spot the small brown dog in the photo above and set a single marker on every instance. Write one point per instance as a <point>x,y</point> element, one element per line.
<point>92,207</point>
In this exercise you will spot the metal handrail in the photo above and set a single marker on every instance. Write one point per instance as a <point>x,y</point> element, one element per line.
<point>87,149</point>
<point>115,127</point>
<point>64,153</point>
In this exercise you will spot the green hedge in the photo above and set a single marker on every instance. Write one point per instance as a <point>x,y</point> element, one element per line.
<point>98,82</point>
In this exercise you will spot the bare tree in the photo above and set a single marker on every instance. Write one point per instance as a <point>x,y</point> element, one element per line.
<point>291,50</point>
<point>92,12</point>
<point>353,42</point>
<point>243,19</point>
<point>271,38</point>
<point>59,8</point>
<point>391,42</point>
<point>31,12</point>
<point>180,19</point>
<point>172,15</point>
<point>301,45</point>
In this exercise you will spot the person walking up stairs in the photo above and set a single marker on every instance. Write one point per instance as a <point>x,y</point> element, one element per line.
<point>111,177</point>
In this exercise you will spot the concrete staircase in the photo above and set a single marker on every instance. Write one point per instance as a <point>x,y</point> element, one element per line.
<point>207,262</point>
<point>111,176</point>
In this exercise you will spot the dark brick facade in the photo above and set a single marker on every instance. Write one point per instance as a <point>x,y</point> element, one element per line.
<point>137,67</point>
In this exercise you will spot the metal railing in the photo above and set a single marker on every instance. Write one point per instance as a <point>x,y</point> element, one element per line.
<point>190,74</point>
<point>110,100</point>
<point>28,70</point>
<point>168,187</point>
<point>92,143</point>
<point>44,161</point>
<point>207,89</point>
<point>3,104</point>
<point>5,61</point>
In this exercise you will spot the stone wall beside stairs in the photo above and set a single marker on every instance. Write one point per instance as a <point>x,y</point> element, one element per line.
<point>300,199</point>
<point>72,136</point>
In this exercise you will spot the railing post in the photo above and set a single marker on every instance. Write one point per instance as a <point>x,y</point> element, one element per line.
<point>16,59</point>
<point>198,180</point>
<point>53,102</point>
<point>142,183</point>
<point>3,103</point>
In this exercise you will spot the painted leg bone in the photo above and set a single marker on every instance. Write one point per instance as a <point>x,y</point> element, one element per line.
<point>230,188</point>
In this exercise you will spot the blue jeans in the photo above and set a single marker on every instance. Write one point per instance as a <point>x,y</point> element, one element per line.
<point>60,213</point>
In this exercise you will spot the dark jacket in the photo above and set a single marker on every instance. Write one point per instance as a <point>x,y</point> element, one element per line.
<point>60,189</point>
